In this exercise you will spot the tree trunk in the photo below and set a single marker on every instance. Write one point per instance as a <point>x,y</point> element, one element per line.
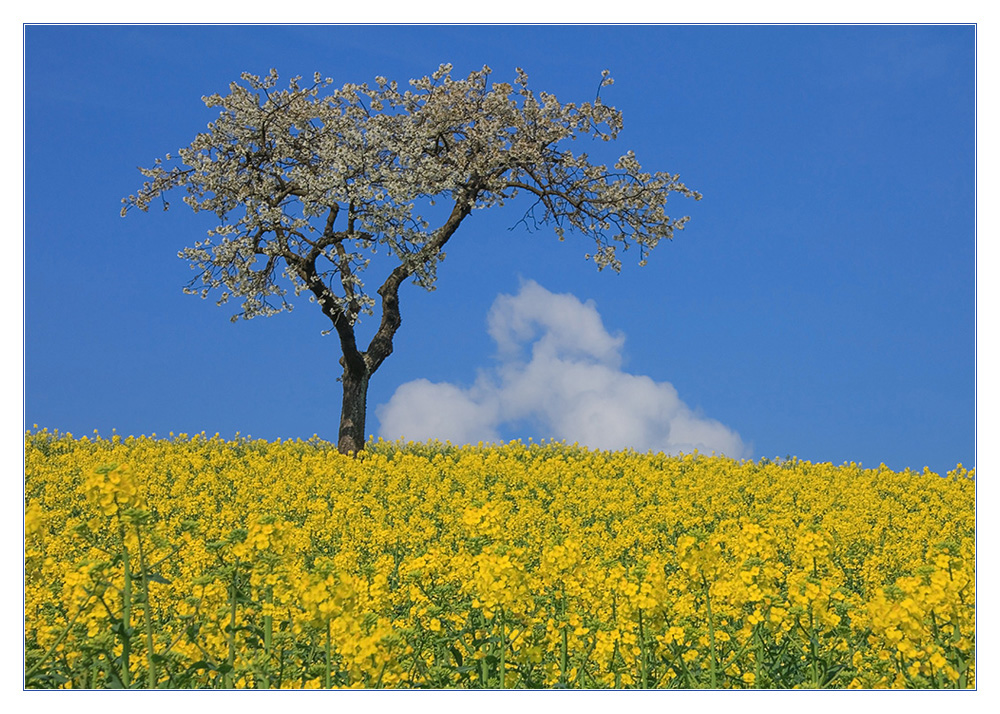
<point>360,366</point>
<point>352,414</point>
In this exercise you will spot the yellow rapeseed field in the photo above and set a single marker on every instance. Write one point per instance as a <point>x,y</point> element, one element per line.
<point>202,562</point>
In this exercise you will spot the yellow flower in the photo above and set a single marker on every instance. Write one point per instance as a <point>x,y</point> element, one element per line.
<point>33,519</point>
<point>541,550</point>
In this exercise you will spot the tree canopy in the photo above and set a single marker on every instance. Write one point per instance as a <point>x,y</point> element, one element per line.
<point>309,182</point>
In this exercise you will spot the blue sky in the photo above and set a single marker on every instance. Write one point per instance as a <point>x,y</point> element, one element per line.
<point>820,303</point>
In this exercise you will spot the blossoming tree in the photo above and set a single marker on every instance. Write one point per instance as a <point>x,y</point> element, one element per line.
<point>309,183</point>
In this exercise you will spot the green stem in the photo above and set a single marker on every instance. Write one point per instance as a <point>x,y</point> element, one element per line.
<point>227,680</point>
<point>760,653</point>
<point>281,668</point>
<point>618,673</point>
<point>813,650</point>
<point>147,615</point>
<point>126,626</point>
<point>711,634</point>
<point>503,650</point>
<point>643,681</point>
<point>564,675</point>
<point>326,674</point>
<point>268,637</point>
<point>381,674</point>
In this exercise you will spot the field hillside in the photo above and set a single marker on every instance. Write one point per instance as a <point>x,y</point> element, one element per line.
<point>203,562</point>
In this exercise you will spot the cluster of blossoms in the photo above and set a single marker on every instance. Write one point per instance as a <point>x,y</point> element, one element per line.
<point>113,489</point>
<point>310,172</point>
<point>212,563</point>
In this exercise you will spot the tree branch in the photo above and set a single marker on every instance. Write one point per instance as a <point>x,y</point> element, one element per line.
<point>381,344</point>
<point>306,268</point>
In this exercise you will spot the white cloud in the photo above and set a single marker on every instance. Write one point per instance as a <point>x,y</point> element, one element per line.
<point>422,410</point>
<point>570,385</point>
